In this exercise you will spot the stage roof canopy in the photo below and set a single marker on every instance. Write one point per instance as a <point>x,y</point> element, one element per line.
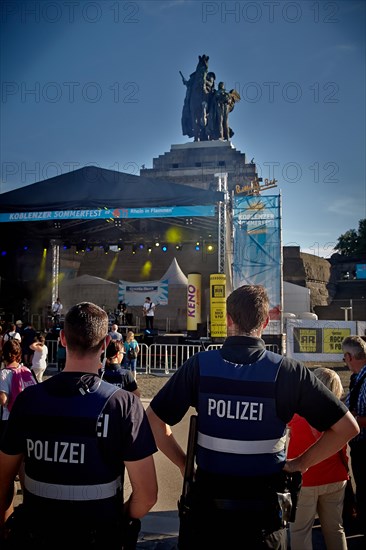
<point>100,189</point>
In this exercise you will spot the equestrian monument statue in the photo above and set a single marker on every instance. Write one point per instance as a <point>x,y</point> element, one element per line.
<point>205,115</point>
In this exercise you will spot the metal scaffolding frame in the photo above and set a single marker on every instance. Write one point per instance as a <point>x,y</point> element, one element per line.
<point>55,269</point>
<point>222,186</point>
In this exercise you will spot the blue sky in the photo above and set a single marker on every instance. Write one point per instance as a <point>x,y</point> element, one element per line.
<point>87,82</point>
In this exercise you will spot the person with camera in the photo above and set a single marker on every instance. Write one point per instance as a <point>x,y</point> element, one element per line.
<point>77,435</point>
<point>131,352</point>
<point>244,489</point>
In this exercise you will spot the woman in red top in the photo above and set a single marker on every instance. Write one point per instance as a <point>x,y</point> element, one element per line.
<point>323,485</point>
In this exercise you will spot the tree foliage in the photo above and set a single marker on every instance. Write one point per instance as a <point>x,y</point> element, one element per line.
<point>352,242</point>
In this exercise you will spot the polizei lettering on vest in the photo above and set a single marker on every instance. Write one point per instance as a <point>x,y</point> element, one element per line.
<point>235,410</point>
<point>56,451</point>
<point>191,301</point>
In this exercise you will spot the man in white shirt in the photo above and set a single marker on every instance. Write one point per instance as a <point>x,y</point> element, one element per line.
<point>148,310</point>
<point>56,311</point>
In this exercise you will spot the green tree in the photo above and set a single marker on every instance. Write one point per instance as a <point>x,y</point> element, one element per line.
<point>352,242</point>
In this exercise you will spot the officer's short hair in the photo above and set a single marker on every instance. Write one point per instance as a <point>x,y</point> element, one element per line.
<point>248,306</point>
<point>86,326</point>
<point>354,345</point>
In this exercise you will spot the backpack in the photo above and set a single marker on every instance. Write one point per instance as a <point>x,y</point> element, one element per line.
<point>131,354</point>
<point>21,378</point>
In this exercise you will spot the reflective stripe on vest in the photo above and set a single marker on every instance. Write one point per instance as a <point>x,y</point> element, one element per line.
<point>239,432</point>
<point>56,491</point>
<point>241,447</point>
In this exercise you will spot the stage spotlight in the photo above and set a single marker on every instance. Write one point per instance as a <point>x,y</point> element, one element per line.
<point>141,246</point>
<point>164,248</point>
<point>157,243</point>
<point>210,248</point>
<point>178,247</point>
<point>197,246</point>
<point>120,246</point>
<point>134,248</point>
<point>89,248</point>
<point>80,247</point>
<point>3,252</point>
<point>67,245</point>
<point>106,248</point>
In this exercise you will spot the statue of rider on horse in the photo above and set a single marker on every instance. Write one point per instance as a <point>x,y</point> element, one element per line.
<point>206,110</point>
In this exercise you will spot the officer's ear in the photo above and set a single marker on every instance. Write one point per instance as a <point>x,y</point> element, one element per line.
<point>265,323</point>
<point>229,320</point>
<point>62,338</point>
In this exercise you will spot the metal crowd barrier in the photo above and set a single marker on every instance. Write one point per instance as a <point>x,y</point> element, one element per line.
<point>158,359</point>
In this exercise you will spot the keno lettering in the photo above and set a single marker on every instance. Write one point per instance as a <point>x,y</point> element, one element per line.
<point>235,410</point>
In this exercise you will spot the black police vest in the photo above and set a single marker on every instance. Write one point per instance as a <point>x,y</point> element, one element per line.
<point>64,463</point>
<point>239,432</point>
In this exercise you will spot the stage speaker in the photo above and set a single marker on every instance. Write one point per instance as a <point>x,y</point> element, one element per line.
<point>201,329</point>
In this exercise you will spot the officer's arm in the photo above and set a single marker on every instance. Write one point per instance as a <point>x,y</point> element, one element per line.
<point>144,487</point>
<point>9,467</point>
<point>166,441</point>
<point>328,444</point>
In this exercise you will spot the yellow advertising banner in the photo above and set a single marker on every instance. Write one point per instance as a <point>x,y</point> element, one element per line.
<point>332,339</point>
<point>218,305</point>
<point>194,300</point>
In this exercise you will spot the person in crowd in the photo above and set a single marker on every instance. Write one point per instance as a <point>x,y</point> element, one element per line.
<point>77,435</point>
<point>12,355</point>
<point>114,334</point>
<point>29,335</point>
<point>1,341</point>
<point>40,354</point>
<point>114,373</point>
<point>12,334</point>
<point>131,352</point>
<point>323,485</point>
<point>60,355</point>
<point>19,327</point>
<point>148,311</point>
<point>244,397</point>
<point>354,349</point>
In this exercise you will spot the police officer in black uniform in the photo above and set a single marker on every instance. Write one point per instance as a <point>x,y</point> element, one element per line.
<point>77,434</point>
<point>244,397</point>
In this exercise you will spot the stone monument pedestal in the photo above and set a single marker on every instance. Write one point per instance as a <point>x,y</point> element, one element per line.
<point>196,163</point>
